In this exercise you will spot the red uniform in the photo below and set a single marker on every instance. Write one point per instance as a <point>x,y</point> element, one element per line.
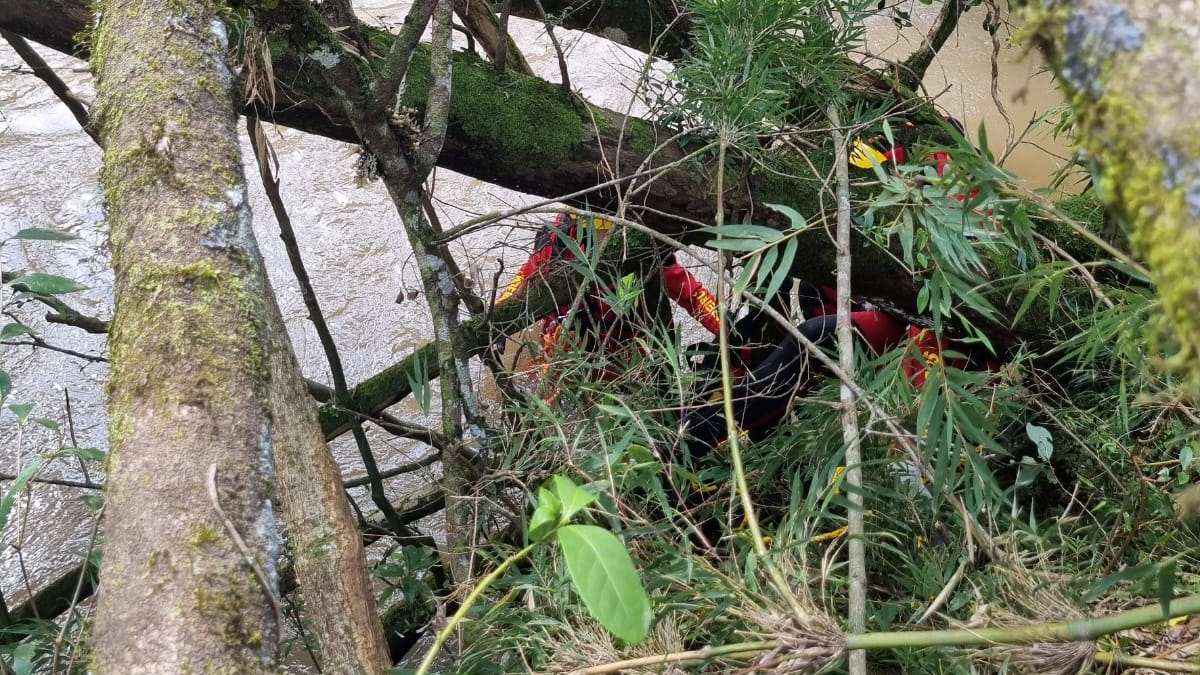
<point>680,285</point>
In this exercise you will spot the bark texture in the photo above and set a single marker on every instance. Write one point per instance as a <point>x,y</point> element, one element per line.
<point>327,550</point>
<point>189,381</point>
<point>483,23</point>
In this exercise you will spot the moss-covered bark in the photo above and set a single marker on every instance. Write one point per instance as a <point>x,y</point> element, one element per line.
<point>1133,72</point>
<point>188,386</point>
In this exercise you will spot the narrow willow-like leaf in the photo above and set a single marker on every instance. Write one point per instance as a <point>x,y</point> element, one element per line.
<point>18,484</point>
<point>782,269</point>
<point>608,583</point>
<point>45,284</point>
<point>43,234</point>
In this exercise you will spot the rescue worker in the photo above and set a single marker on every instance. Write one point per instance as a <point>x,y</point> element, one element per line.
<point>601,326</point>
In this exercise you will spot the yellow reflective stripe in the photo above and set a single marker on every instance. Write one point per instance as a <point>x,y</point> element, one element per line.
<point>512,288</point>
<point>832,534</point>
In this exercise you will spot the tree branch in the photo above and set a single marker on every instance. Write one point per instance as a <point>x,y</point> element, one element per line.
<point>912,70</point>
<point>63,313</point>
<point>492,33</point>
<point>851,439</point>
<point>46,74</point>
<point>270,181</point>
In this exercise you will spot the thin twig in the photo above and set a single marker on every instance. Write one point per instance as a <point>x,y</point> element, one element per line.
<point>562,57</point>
<point>240,543</point>
<point>428,460</point>
<point>732,432</point>
<point>76,595</point>
<point>71,432</point>
<point>945,593</point>
<point>88,485</point>
<point>267,168</point>
<point>912,70</point>
<point>46,74</point>
<point>704,654</point>
<point>850,436</point>
<point>36,342</point>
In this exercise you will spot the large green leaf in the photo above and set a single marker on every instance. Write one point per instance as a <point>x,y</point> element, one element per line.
<point>43,234</point>
<point>45,284</point>
<point>605,578</point>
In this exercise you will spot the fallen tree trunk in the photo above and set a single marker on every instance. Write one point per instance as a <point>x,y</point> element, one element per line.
<point>526,134</point>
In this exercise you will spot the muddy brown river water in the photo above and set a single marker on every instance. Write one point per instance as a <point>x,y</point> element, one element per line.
<point>355,251</point>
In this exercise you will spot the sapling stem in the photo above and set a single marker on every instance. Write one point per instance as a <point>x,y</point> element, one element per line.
<point>1081,630</point>
<point>1068,631</point>
<point>467,604</point>
<point>731,428</point>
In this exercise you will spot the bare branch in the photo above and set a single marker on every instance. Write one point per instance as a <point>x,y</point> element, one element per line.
<point>558,50</point>
<point>912,70</point>
<point>850,434</point>
<point>265,157</point>
<point>492,33</point>
<point>387,87</point>
<point>46,74</point>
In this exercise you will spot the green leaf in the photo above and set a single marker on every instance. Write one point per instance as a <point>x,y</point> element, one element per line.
<point>86,454</point>
<point>793,215</point>
<point>546,517</point>
<point>45,284</point>
<point>47,423</point>
<point>22,659</point>
<point>739,245</point>
<point>606,580</point>
<point>762,233</point>
<point>1186,456</point>
<point>22,410</point>
<point>12,330</point>
<point>782,270</point>
<point>18,484</point>
<point>572,497</point>
<point>43,234</point>
<point>418,382</point>
<point>1128,574</point>
<point>1042,439</point>
<point>1166,585</point>
<point>5,385</point>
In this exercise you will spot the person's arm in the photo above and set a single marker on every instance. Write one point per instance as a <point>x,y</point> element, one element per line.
<point>544,246</point>
<point>685,290</point>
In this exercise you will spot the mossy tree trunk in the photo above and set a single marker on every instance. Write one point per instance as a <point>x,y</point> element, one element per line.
<point>189,382</point>
<point>1133,74</point>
